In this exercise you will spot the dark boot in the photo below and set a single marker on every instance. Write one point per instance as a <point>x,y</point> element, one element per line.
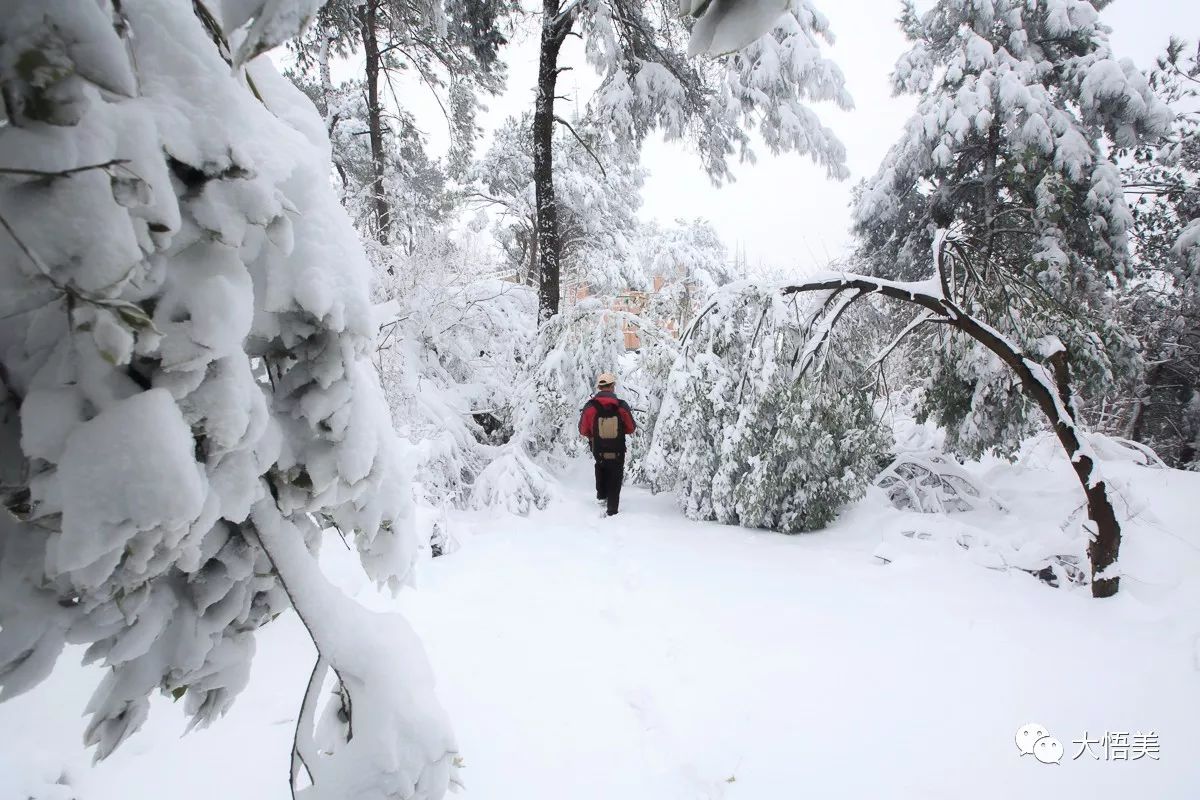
<point>614,475</point>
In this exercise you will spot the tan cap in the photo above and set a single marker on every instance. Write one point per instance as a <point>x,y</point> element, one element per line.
<point>606,379</point>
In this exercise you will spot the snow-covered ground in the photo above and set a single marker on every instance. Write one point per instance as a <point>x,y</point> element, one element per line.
<point>648,657</point>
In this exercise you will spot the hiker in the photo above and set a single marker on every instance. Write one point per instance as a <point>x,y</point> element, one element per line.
<point>606,420</point>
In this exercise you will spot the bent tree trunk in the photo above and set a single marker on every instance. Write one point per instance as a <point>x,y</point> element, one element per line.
<point>1048,386</point>
<point>556,24</point>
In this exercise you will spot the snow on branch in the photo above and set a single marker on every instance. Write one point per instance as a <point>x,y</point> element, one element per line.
<point>512,481</point>
<point>918,321</point>
<point>1047,384</point>
<point>382,667</point>
<point>820,328</point>
<point>933,484</point>
<point>724,26</point>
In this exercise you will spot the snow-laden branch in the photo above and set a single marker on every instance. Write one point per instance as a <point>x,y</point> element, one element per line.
<point>1038,380</point>
<point>724,26</point>
<point>918,321</point>
<point>837,305</point>
<point>401,746</point>
<point>303,752</point>
<point>1044,379</point>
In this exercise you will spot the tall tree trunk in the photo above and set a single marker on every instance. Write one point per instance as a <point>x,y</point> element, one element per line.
<point>555,27</point>
<point>368,17</point>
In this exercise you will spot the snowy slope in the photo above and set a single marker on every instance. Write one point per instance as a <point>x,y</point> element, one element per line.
<point>648,657</point>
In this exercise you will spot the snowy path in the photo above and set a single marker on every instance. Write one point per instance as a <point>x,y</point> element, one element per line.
<point>652,658</point>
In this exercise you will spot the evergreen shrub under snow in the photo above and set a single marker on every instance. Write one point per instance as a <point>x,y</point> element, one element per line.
<point>742,439</point>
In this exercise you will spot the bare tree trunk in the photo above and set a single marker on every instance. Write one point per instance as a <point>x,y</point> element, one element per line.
<point>368,17</point>
<point>555,27</point>
<point>1048,387</point>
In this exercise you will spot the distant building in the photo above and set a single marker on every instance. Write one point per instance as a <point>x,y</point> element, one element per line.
<point>633,301</point>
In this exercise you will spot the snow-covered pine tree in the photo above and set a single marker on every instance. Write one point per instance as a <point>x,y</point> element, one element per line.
<point>648,83</point>
<point>188,399</point>
<point>700,402</point>
<point>1161,405</point>
<point>695,432</point>
<point>599,192</point>
<point>395,191</point>
<point>686,262</point>
<point>810,445</point>
<point>1019,106</point>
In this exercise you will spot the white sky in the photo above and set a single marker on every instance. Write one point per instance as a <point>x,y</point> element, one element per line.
<point>782,211</point>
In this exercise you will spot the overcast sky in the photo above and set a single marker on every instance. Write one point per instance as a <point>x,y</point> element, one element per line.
<point>782,211</point>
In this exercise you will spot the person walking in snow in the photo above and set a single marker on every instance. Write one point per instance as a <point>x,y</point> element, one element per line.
<point>605,421</point>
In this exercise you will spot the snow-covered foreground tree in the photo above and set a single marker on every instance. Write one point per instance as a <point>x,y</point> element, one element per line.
<point>745,436</point>
<point>188,398</point>
<point>1008,149</point>
<point>1043,373</point>
<point>725,26</point>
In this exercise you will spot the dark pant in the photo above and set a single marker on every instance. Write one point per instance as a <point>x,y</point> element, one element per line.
<point>609,474</point>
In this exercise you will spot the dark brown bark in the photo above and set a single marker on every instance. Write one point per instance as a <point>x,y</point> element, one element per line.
<point>368,17</point>
<point>1054,400</point>
<point>555,27</point>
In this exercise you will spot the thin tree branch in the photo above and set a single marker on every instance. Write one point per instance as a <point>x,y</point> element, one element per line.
<point>921,319</point>
<point>562,121</point>
<point>301,754</point>
<point>66,173</point>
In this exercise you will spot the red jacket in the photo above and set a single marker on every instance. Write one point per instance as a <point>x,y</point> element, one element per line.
<point>587,420</point>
